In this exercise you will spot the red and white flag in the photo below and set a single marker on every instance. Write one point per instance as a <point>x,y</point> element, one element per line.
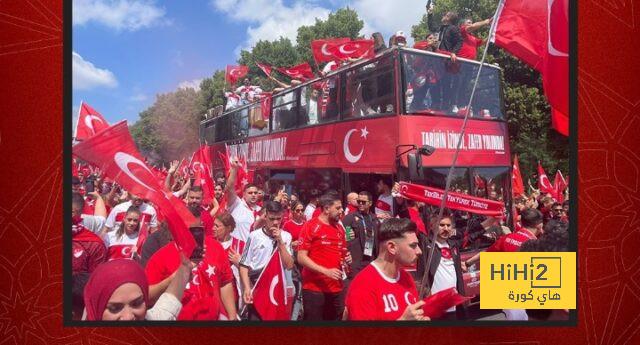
<point>265,68</point>
<point>243,177</point>
<point>300,72</point>
<point>322,48</point>
<point>269,293</point>
<point>517,186</point>
<point>115,153</point>
<point>353,49</point>
<point>544,185</point>
<point>74,167</point>
<point>559,184</point>
<point>89,122</point>
<point>235,72</point>
<point>201,167</point>
<point>537,32</point>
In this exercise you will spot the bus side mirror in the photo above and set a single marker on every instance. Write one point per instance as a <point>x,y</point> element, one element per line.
<point>414,161</point>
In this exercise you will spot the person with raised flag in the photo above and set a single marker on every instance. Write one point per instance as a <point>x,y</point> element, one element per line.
<point>383,290</point>
<point>259,249</point>
<point>471,43</point>
<point>324,256</point>
<point>244,210</point>
<point>119,291</point>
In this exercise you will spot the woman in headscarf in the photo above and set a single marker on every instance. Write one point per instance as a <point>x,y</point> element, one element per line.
<point>118,290</point>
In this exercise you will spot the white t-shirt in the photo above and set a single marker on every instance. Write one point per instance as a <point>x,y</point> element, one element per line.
<point>259,248</point>
<point>93,223</point>
<point>119,211</point>
<point>384,205</point>
<point>445,276</point>
<point>308,211</point>
<point>244,217</point>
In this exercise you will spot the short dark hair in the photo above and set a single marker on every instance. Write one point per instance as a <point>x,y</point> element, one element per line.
<point>249,185</point>
<point>367,194</point>
<point>565,203</point>
<point>196,189</point>
<point>77,199</point>
<point>556,204</point>
<point>453,17</point>
<point>555,238</point>
<point>530,246</point>
<point>395,228</point>
<point>327,199</point>
<point>386,179</point>
<point>272,207</point>
<point>531,217</point>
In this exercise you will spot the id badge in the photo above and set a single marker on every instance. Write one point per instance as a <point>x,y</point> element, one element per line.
<point>368,246</point>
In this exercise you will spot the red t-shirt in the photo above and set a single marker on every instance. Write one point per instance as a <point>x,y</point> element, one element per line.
<point>374,296</point>
<point>512,242</point>
<point>293,228</point>
<point>325,245</point>
<point>207,222</point>
<point>201,299</point>
<point>316,213</point>
<point>470,45</point>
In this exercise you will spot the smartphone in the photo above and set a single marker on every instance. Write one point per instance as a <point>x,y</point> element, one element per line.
<point>198,251</point>
<point>288,189</point>
<point>89,186</point>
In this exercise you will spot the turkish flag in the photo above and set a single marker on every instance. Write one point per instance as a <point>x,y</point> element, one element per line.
<point>544,185</point>
<point>301,72</point>
<point>265,105</point>
<point>269,293</point>
<point>183,168</point>
<point>89,122</point>
<point>120,251</point>
<point>243,177</point>
<point>321,48</point>
<point>438,303</point>
<point>537,32</point>
<point>235,72</point>
<point>353,49</point>
<point>74,167</point>
<point>517,186</point>
<point>201,166</point>
<point>115,153</point>
<point>559,184</point>
<point>265,68</point>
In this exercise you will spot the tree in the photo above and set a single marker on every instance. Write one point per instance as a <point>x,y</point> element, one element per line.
<point>211,90</point>
<point>280,53</point>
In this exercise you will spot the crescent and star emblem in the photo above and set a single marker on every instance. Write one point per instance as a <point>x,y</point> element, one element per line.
<point>88,120</point>
<point>344,51</point>
<point>274,282</point>
<point>550,47</point>
<point>123,160</point>
<point>546,184</point>
<point>345,145</point>
<point>324,51</point>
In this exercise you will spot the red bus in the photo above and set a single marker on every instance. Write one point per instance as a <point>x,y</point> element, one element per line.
<point>340,131</point>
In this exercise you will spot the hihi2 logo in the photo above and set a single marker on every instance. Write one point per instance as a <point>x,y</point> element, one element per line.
<point>527,280</point>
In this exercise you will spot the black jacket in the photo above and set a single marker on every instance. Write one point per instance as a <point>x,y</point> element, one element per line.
<point>449,35</point>
<point>357,222</point>
<point>425,246</point>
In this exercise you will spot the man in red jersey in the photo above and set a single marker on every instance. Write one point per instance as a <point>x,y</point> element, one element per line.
<point>323,254</point>
<point>384,290</point>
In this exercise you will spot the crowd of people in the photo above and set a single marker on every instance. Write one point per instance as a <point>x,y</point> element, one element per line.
<point>354,261</point>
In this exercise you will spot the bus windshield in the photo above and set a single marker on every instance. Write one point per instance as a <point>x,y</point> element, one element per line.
<point>436,86</point>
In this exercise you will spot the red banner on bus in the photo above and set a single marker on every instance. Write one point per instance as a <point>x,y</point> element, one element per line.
<point>455,201</point>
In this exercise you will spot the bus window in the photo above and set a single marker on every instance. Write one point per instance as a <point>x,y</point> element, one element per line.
<point>310,96</point>
<point>210,131</point>
<point>310,182</point>
<point>492,183</point>
<point>284,111</point>
<point>369,89</point>
<point>240,123</point>
<point>437,177</point>
<point>258,124</point>
<point>223,128</point>
<point>328,109</point>
<point>434,85</point>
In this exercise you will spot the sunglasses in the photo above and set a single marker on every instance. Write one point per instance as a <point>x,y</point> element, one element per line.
<point>362,202</point>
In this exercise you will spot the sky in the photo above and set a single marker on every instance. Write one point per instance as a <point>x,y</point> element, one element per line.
<point>125,52</point>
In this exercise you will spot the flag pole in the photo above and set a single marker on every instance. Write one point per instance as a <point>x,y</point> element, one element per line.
<point>425,284</point>
<point>75,132</point>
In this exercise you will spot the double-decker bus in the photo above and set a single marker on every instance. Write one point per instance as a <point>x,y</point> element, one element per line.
<point>342,130</point>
